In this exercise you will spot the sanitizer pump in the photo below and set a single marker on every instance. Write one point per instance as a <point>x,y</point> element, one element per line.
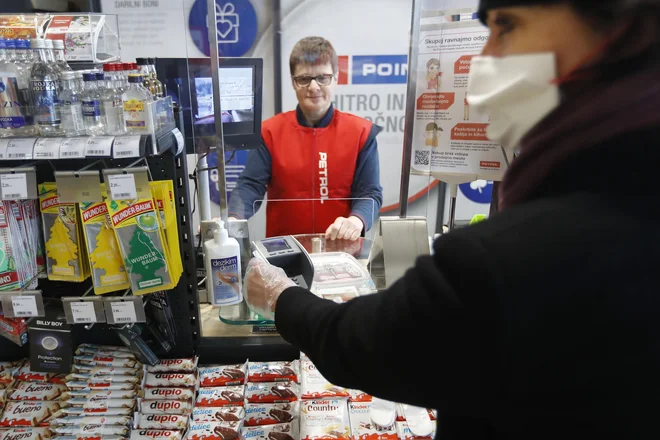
<point>222,260</point>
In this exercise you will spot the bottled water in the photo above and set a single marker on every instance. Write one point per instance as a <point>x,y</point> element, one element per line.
<point>44,87</point>
<point>71,105</point>
<point>92,109</point>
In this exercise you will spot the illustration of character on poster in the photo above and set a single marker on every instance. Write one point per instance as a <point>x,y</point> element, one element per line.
<point>433,74</point>
<point>432,134</point>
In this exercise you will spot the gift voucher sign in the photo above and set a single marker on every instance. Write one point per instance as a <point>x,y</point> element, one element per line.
<point>449,138</point>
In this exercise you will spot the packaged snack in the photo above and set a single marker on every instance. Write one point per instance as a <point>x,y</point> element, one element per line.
<point>155,434</point>
<point>80,411</point>
<point>166,407</point>
<point>315,386</point>
<point>222,375</point>
<point>272,392</point>
<point>104,361</point>
<point>273,371</point>
<point>27,413</point>
<point>86,436</point>
<point>100,371</point>
<point>105,351</point>
<point>11,366</point>
<point>404,433</point>
<point>359,396</point>
<point>161,421</point>
<point>363,428</point>
<point>22,434</point>
<point>108,394</point>
<point>142,244</point>
<point>90,420</point>
<point>156,380</point>
<point>36,391</point>
<point>91,430</point>
<point>257,414</point>
<point>100,402</point>
<point>281,431</point>
<point>99,384</point>
<point>214,431</point>
<point>173,365</point>
<point>26,375</point>
<point>169,393</point>
<point>322,419</point>
<point>105,261</point>
<point>222,414</point>
<point>67,259</point>
<point>103,378</point>
<point>221,396</point>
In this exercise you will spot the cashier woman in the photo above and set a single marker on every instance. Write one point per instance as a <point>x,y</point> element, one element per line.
<point>319,165</point>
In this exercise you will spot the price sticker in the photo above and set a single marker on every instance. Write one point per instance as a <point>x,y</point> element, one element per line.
<point>126,146</point>
<point>122,187</point>
<point>73,148</point>
<point>24,306</point>
<point>3,148</point>
<point>99,146</point>
<point>83,312</point>
<point>123,312</point>
<point>21,148</point>
<point>13,186</point>
<point>47,148</point>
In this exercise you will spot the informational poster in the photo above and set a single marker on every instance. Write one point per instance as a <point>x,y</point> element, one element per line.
<point>449,140</point>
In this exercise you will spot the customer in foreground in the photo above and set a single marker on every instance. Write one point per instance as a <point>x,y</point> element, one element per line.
<point>544,318</point>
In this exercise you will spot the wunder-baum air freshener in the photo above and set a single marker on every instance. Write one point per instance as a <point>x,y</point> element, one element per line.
<point>106,263</point>
<point>163,193</point>
<point>66,258</point>
<point>141,242</point>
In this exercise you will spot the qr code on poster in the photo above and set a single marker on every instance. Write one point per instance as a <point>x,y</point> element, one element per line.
<point>422,157</point>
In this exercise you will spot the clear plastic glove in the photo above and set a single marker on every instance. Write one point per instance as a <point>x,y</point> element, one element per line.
<point>345,229</point>
<point>262,286</point>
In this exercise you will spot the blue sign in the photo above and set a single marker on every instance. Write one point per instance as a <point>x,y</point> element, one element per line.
<point>235,23</point>
<point>479,191</point>
<point>380,69</point>
<point>233,169</point>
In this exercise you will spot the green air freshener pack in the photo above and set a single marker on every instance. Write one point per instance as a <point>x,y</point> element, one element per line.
<point>106,263</point>
<point>141,242</point>
<point>66,254</point>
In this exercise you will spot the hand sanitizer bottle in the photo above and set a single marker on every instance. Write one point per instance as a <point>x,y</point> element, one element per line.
<point>222,261</point>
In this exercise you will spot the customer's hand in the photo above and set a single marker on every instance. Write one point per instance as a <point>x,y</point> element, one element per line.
<point>263,285</point>
<point>345,229</point>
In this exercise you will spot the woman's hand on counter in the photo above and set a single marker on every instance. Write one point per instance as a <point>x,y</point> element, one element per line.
<point>263,285</point>
<point>345,229</point>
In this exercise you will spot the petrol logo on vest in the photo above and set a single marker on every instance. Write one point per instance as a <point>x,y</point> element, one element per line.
<point>323,176</point>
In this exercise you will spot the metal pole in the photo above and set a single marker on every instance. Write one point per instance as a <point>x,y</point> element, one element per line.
<point>411,98</point>
<point>217,108</point>
<point>277,55</point>
<point>204,194</point>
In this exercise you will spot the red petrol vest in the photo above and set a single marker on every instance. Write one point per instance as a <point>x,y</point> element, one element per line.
<point>311,169</point>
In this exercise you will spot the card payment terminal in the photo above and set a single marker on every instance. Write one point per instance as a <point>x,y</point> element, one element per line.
<point>287,252</point>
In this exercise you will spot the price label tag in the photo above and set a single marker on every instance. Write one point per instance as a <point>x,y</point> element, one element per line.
<point>3,148</point>
<point>122,187</point>
<point>73,148</point>
<point>24,306</point>
<point>83,312</point>
<point>123,312</point>
<point>126,146</point>
<point>99,146</point>
<point>21,148</point>
<point>13,186</point>
<point>47,148</point>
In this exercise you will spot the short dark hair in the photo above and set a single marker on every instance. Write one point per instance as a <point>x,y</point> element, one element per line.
<point>314,51</point>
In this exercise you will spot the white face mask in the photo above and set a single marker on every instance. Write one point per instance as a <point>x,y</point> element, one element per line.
<point>516,92</point>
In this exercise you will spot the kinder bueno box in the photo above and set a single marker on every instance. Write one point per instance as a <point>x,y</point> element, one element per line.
<point>315,386</point>
<point>272,392</point>
<point>404,433</point>
<point>24,434</point>
<point>274,371</point>
<point>173,365</point>
<point>324,419</point>
<point>214,431</point>
<point>222,375</point>
<point>166,406</point>
<point>258,414</point>
<point>362,428</point>
<point>27,413</point>
<point>221,396</point>
<point>168,394</point>
<point>282,431</point>
<point>36,391</point>
<point>155,434</point>
<point>224,414</point>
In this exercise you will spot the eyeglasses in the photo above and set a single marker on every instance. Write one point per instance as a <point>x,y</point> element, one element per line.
<point>322,80</point>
